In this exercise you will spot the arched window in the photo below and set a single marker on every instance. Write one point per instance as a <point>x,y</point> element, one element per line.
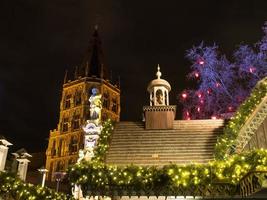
<point>114,105</point>
<point>67,101</point>
<point>76,122</point>
<point>106,100</point>
<point>78,98</point>
<point>51,169</point>
<point>65,124</point>
<point>60,147</point>
<point>73,145</point>
<point>159,97</point>
<point>53,149</point>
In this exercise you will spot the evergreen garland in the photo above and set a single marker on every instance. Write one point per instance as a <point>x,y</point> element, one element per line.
<point>226,143</point>
<point>12,187</point>
<point>98,178</point>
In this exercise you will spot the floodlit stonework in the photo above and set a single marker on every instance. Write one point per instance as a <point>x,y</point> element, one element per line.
<point>66,140</point>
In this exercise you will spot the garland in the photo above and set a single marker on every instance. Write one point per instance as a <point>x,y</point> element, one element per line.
<point>226,143</point>
<point>12,187</point>
<point>101,178</point>
<point>193,179</point>
<point>103,141</point>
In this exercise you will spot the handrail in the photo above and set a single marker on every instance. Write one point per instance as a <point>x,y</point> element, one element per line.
<point>251,125</point>
<point>252,182</point>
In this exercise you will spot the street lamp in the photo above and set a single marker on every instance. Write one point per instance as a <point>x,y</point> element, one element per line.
<point>59,177</point>
<point>43,171</point>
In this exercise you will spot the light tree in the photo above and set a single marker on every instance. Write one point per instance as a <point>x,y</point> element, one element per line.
<point>222,85</point>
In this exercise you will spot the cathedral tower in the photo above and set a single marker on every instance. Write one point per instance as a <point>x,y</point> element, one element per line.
<point>66,140</point>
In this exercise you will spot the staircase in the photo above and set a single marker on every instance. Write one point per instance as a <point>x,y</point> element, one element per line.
<point>189,141</point>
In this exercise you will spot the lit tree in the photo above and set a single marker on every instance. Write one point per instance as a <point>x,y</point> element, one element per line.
<point>262,45</point>
<point>214,75</point>
<point>221,85</point>
<point>252,65</point>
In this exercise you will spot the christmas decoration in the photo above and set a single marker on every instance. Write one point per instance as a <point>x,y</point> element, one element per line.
<point>97,178</point>
<point>222,84</point>
<point>215,77</point>
<point>100,178</point>
<point>12,187</point>
<point>226,142</point>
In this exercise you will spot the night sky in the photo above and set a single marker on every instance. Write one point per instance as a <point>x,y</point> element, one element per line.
<point>39,39</point>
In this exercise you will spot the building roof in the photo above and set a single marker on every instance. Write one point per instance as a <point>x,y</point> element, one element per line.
<point>189,141</point>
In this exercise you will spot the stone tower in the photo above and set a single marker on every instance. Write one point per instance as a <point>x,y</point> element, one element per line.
<point>66,140</point>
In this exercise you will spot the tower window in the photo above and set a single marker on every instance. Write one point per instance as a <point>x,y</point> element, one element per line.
<point>78,99</point>
<point>60,147</point>
<point>106,100</point>
<point>73,145</point>
<point>67,102</point>
<point>65,125</point>
<point>76,122</point>
<point>114,105</point>
<point>60,166</point>
<point>53,150</point>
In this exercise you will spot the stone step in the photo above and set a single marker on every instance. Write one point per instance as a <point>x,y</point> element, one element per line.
<point>162,146</point>
<point>198,121</point>
<point>162,159</point>
<point>178,123</point>
<point>136,134</point>
<point>173,150</point>
<point>166,140</point>
<point>167,157</point>
<point>149,155</point>
<point>162,155</point>
<point>189,141</point>
<point>174,125</point>
<point>173,131</point>
<point>159,163</point>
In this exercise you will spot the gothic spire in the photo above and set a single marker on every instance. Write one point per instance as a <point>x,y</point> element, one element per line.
<point>93,62</point>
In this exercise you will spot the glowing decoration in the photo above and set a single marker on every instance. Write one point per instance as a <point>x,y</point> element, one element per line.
<point>227,141</point>
<point>13,188</point>
<point>178,178</point>
<point>230,108</point>
<point>198,109</point>
<point>252,69</point>
<point>184,95</point>
<point>229,82</point>
<point>201,62</point>
<point>187,113</point>
<point>218,84</point>
<point>214,117</point>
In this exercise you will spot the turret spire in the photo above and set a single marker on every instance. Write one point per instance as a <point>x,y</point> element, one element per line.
<point>93,61</point>
<point>158,74</point>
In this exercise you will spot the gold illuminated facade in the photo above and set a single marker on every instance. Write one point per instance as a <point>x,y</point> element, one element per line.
<point>66,140</point>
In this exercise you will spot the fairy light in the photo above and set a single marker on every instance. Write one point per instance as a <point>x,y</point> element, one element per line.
<point>184,95</point>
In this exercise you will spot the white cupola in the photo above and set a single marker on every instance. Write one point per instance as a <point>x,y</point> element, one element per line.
<point>159,90</point>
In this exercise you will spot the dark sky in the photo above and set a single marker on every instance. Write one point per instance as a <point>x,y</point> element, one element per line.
<point>39,39</point>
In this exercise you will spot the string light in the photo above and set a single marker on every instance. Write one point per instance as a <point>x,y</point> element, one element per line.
<point>184,95</point>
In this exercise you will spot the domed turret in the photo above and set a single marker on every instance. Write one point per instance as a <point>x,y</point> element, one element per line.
<point>159,90</point>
